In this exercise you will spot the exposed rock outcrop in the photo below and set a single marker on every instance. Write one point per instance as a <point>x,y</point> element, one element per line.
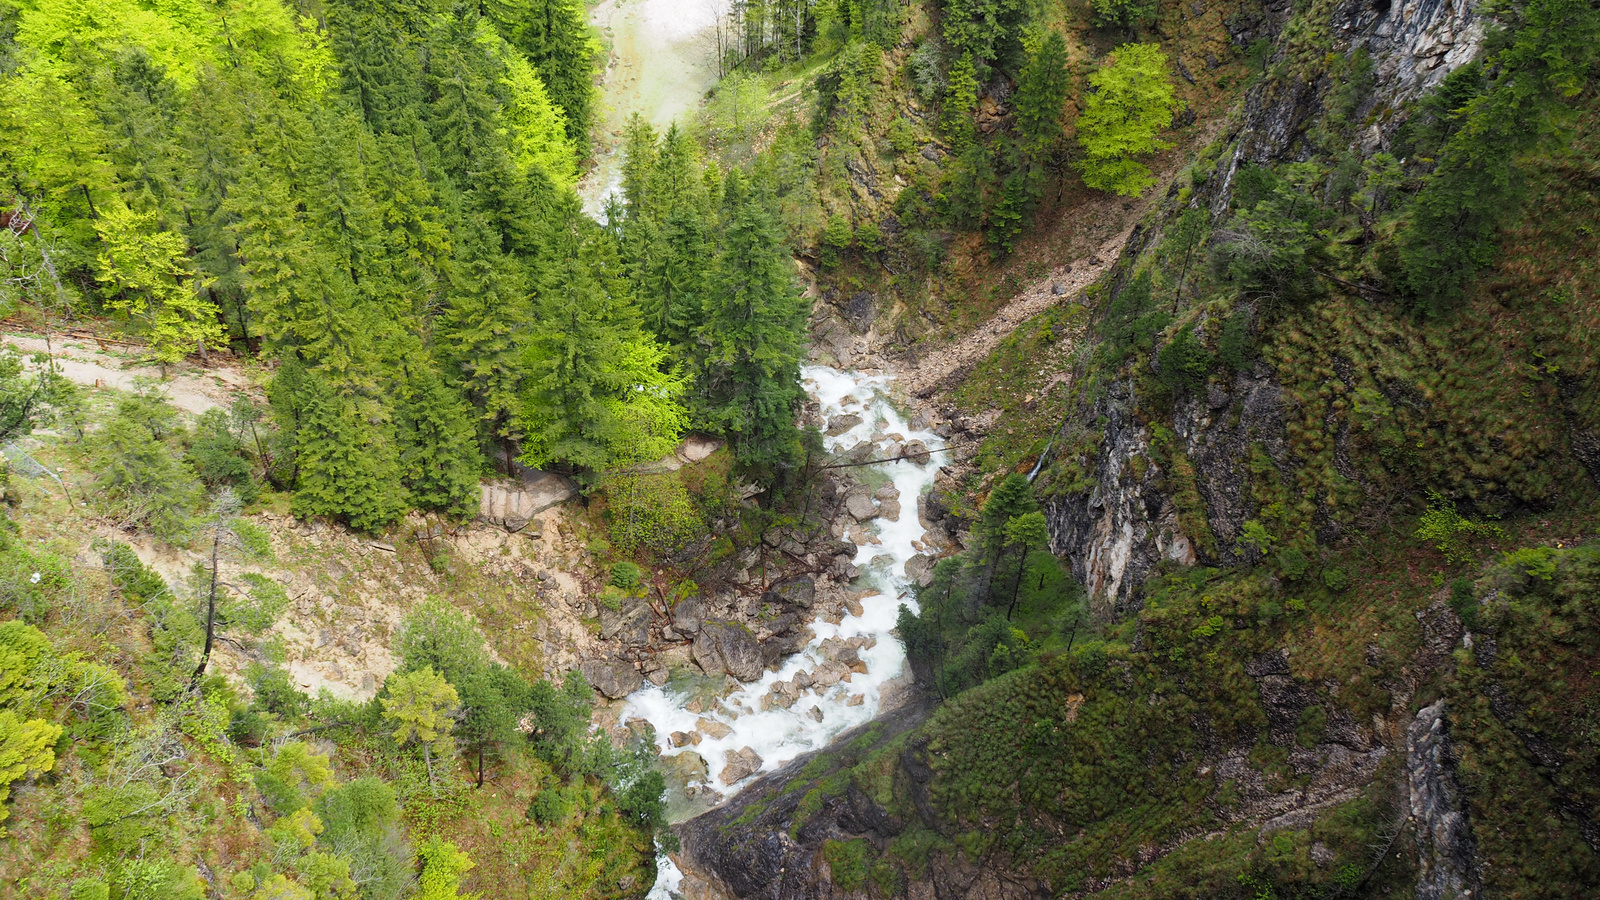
<point>723,646</point>
<point>1446,868</point>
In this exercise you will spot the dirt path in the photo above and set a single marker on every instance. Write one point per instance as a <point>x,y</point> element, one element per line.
<point>191,388</point>
<point>1063,283</point>
<point>933,372</point>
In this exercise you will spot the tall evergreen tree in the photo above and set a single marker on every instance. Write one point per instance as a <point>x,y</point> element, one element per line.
<point>347,464</point>
<point>439,456</point>
<point>753,332</point>
<point>555,34</point>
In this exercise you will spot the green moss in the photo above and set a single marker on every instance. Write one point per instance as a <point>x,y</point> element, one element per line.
<point>849,862</point>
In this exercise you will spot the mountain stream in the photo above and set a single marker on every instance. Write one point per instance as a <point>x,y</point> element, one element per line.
<point>730,726</point>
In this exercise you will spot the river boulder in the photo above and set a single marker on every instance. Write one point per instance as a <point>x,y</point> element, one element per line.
<point>800,591</point>
<point>730,647</point>
<point>860,506</point>
<point>614,678</point>
<point>742,764</point>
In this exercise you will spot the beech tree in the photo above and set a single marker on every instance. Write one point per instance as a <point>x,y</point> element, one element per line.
<point>1132,102</point>
<point>421,704</point>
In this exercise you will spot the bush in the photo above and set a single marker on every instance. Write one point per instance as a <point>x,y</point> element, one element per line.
<point>549,807</point>
<point>1336,580</point>
<point>1183,363</point>
<point>1292,563</point>
<point>626,575</point>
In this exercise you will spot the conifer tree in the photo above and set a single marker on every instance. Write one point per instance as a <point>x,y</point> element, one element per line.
<point>596,394</point>
<point>754,325</point>
<point>481,331</point>
<point>347,465</point>
<point>439,456</point>
<point>555,35</point>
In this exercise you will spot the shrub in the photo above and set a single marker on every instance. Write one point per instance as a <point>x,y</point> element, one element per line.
<point>1446,529</point>
<point>626,575</point>
<point>1336,580</point>
<point>549,807</point>
<point>848,861</point>
<point>1292,563</point>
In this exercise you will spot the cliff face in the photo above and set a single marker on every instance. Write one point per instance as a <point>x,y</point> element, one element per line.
<point>1118,531</point>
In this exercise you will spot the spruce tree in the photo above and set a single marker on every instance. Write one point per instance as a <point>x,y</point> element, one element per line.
<point>347,465</point>
<point>439,457</point>
<point>752,334</point>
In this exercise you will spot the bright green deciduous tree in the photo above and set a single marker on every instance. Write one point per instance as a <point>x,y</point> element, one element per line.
<point>146,274</point>
<point>1132,102</point>
<point>27,747</point>
<point>442,867</point>
<point>420,704</point>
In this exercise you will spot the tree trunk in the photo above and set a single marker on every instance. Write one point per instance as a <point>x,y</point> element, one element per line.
<point>480,765</point>
<point>1017,588</point>
<point>211,609</point>
<point>427,760</point>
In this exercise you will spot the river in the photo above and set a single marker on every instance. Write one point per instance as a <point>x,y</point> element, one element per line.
<point>662,63</point>
<point>661,66</point>
<point>732,722</point>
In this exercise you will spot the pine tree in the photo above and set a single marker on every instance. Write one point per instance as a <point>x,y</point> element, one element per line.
<point>420,705</point>
<point>347,465</point>
<point>439,457</point>
<point>1041,90</point>
<point>754,326</point>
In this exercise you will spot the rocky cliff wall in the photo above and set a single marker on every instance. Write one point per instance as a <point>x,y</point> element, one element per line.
<point>1119,530</point>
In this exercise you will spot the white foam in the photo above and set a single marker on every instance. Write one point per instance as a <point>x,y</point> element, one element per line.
<point>778,735</point>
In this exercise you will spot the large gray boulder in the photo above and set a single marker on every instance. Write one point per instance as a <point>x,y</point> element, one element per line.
<point>630,624</point>
<point>800,591</point>
<point>742,764</point>
<point>729,647</point>
<point>688,614</point>
<point>512,503</point>
<point>612,677</point>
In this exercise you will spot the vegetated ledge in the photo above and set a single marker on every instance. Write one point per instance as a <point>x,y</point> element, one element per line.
<point>769,840</point>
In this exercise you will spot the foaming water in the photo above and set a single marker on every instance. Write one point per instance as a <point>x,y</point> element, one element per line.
<point>778,734</point>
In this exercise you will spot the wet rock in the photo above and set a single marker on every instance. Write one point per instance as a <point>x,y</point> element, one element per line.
<point>742,764</point>
<point>840,424</point>
<point>860,506</point>
<point>917,452</point>
<point>684,738</point>
<point>723,646</point>
<point>889,509</point>
<point>814,714</point>
<point>687,767</point>
<point>800,591</point>
<point>919,569</point>
<point>712,729</point>
<point>613,678</point>
<point>830,673</point>
<point>856,700</point>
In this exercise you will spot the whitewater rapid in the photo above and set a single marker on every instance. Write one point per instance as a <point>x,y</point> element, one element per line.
<point>778,734</point>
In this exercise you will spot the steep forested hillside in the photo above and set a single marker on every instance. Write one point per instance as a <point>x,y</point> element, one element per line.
<point>1317,451</point>
<point>1277,570</point>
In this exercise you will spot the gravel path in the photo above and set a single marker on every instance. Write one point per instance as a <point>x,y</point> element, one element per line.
<point>190,387</point>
